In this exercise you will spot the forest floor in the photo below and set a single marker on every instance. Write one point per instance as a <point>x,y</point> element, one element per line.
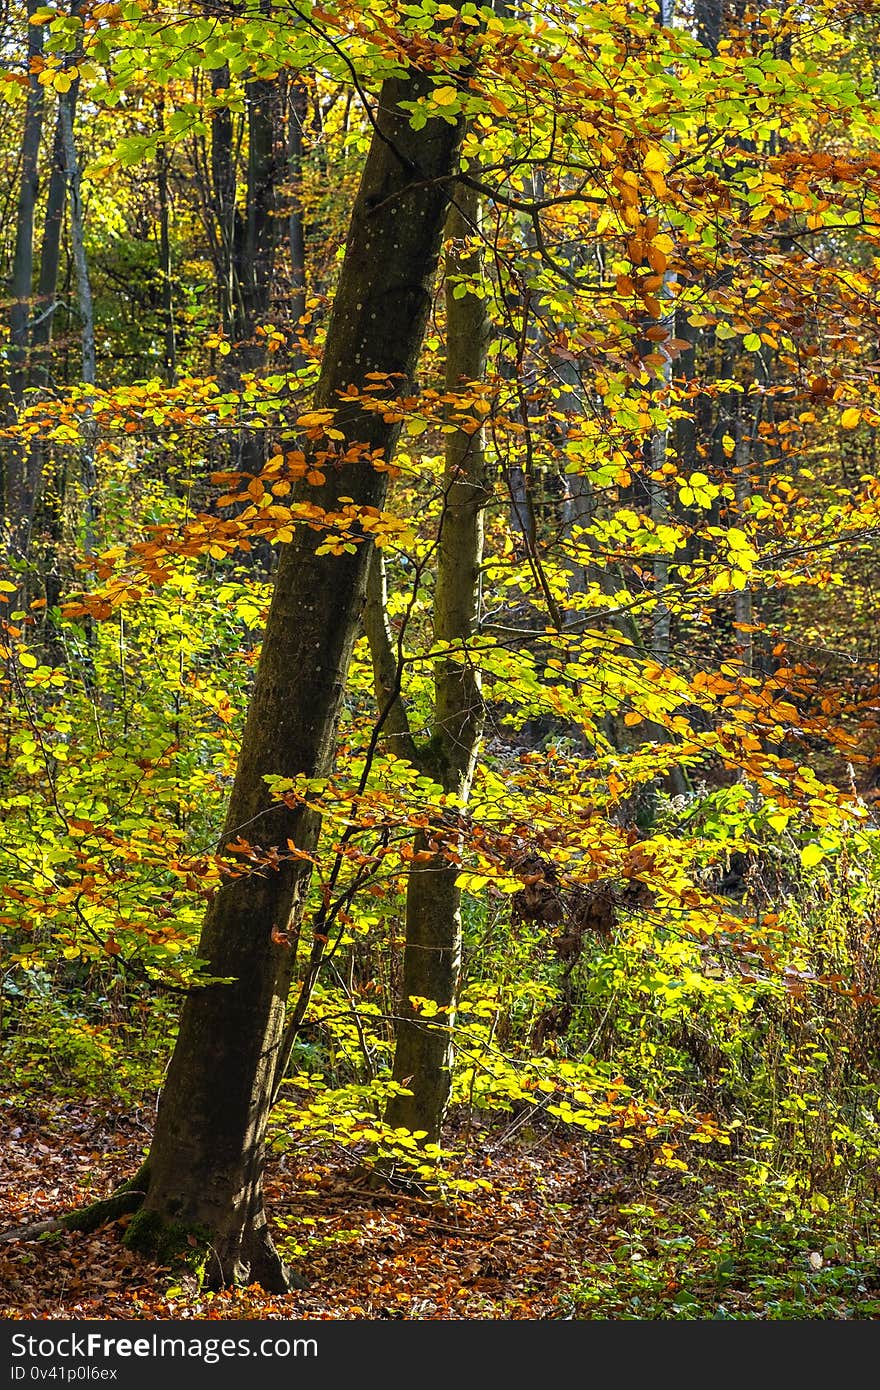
<point>569,1229</point>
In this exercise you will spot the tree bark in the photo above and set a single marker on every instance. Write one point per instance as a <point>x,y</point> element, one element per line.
<point>223,183</point>
<point>169,328</point>
<point>88,474</point>
<point>50,254</point>
<point>205,1163</point>
<point>20,495</point>
<point>297,107</point>
<point>48,499</point>
<point>261,221</point>
<point>246,243</point>
<point>432,956</point>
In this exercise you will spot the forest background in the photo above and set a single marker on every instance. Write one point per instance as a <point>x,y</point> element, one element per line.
<point>501,384</point>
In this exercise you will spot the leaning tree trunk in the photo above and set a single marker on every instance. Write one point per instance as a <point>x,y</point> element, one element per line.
<point>432,955</point>
<point>204,1171</point>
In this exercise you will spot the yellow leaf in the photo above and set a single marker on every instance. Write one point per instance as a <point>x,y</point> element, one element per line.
<point>850,418</point>
<point>444,96</point>
<point>27,660</point>
<point>655,161</point>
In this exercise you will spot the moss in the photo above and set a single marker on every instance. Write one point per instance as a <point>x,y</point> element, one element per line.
<point>169,1243</point>
<point>126,1198</point>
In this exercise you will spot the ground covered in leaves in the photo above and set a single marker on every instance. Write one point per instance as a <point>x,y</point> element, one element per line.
<point>570,1229</point>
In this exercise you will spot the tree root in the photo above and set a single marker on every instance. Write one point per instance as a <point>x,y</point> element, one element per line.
<point>207,1260</point>
<point>33,1229</point>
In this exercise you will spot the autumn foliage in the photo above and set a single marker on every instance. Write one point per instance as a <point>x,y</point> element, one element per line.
<point>665,843</point>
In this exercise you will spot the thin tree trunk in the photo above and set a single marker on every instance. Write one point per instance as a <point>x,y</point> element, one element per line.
<point>169,332</point>
<point>88,476</point>
<point>261,221</point>
<point>50,256</point>
<point>205,1165</point>
<point>50,499</point>
<point>655,453</point>
<point>709,17</point>
<point>223,183</point>
<point>296,114</point>
<point>742,603</point>
<point>20,490</point>
<point>686,430</point>
<point>432,956</point>
<point>248,241</point>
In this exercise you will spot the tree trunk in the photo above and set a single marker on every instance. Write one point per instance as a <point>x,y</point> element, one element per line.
<point>88,475</point>
<point>49,499</point>
<point>20,492</point>
<point>261,221</point>
<point>50,254</point>
<point>223,199</point>
<point>709,18</point>
<point>432,956</point>
<point>205,1165</point>
<point>297,108</point>
<point>247,242</point>
<point>169,328</point>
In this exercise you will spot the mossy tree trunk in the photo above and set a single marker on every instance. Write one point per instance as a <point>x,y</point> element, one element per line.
<point>205,1163</point>
<point>432,956</point>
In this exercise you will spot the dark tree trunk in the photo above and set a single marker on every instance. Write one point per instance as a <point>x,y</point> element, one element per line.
<point>205,1165</point>
<point>709,16</point>
<point>20,492</point>
<point>49,499</point>
<point>247,240</point>
<point>261,221</point>
<point>223,183</point>
<point>296,232</point>
<point>88,474</point>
